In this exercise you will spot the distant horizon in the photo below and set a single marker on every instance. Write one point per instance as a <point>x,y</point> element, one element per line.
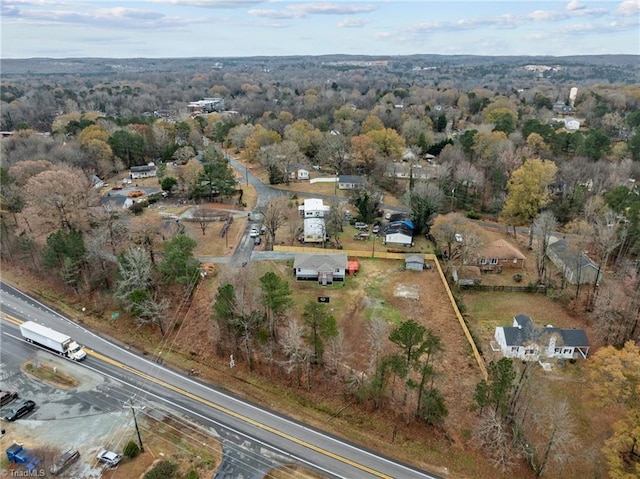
<point>331,55</point>
<point>129,29</point>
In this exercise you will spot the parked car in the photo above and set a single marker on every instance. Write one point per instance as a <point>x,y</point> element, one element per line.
<point>376,229</point>
<point>263,230</point>
<point>110,458</point>
<point>20,410</point>
<point>257,240</point>
<point>7,396</point>
<point>254,232</point>
<point>361,226</point>
<point>135,194</point>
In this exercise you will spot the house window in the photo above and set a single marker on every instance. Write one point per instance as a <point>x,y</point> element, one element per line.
<point>557,350</point>
<point>567,351</point>
<point>299,270</point>
<point>483,261</point>
<point>514,349</point>
<point>493,261</point>
<point>529,351</point>
<point>337,270</point>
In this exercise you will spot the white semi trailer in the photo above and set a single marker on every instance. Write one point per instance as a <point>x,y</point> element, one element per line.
<point>53,340</point>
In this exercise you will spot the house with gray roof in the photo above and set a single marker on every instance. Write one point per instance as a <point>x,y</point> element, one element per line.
<point>351,182</point>
<point>144,171</point>
<point>325,268</point>
<point>574,264</point>
<point>523,340</point>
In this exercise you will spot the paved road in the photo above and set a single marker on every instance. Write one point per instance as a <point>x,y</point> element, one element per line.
<point>273,432</point>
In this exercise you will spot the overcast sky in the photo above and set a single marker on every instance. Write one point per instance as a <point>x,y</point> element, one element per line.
<point>231,28</point>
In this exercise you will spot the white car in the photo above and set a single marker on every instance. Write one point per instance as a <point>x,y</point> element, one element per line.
<point>254,232</point>
<point>110,458</point>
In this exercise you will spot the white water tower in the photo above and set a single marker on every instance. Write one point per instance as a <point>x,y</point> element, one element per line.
<point>573,93</point>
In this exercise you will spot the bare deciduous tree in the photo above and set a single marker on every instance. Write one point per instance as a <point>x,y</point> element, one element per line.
<point>377,333</point>
<point>543,226</point>
<point>296,349</point>
<point>204,217</point>
<point>556,443</point>
<point>153,311</point>
<point>335,352</point>
<point>493,436</point>
<point>62,192</point>
<point>274,217</point>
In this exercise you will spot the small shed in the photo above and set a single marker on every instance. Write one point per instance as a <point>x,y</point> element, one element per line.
<point>414,262</point>
<point>353,266</point>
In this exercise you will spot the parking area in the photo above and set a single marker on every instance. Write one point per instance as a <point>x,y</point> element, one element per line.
<point>86,418</point>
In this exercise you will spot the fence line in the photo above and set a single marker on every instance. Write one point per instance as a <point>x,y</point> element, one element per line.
<point>506,288</point>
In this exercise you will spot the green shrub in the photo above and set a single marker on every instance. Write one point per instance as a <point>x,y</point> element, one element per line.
<point>162,470</point>
<point>473,215</point>
<point>193,474</point>
<point>131,450</point>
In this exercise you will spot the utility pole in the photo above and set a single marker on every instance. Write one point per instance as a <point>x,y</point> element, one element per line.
<point>135,421</point>
<point>373,251</point>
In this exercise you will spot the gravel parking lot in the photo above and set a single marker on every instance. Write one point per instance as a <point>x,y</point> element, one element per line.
<point>87,418</point>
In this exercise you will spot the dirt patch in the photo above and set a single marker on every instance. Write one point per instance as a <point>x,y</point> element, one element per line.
<point>291,471</point>
<point>49,374</point>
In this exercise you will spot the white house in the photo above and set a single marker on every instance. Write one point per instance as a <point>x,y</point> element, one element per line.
<point>314,230</point>
<point>297,172</point>
<point>145,171</point>
<point>96,182</point>
<point>313,208</point>
<point>525,341</point>
<point>399,232</point>
<point>324,268</point>
<point>571,124</point>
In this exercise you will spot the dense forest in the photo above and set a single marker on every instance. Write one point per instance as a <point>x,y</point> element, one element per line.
<point>550,144</point>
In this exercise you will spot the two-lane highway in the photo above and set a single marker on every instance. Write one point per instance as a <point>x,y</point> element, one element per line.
<point>305,444</point>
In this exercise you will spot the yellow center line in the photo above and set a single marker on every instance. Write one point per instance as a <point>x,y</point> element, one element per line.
<point>222,409</point>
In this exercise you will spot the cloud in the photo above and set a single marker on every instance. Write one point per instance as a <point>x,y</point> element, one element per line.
<point>575,5</point>
<point>628,8</point>
<point>351,23</point>
<point>302,10</point>
<point>211,3</point>
<point>111,18</point>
